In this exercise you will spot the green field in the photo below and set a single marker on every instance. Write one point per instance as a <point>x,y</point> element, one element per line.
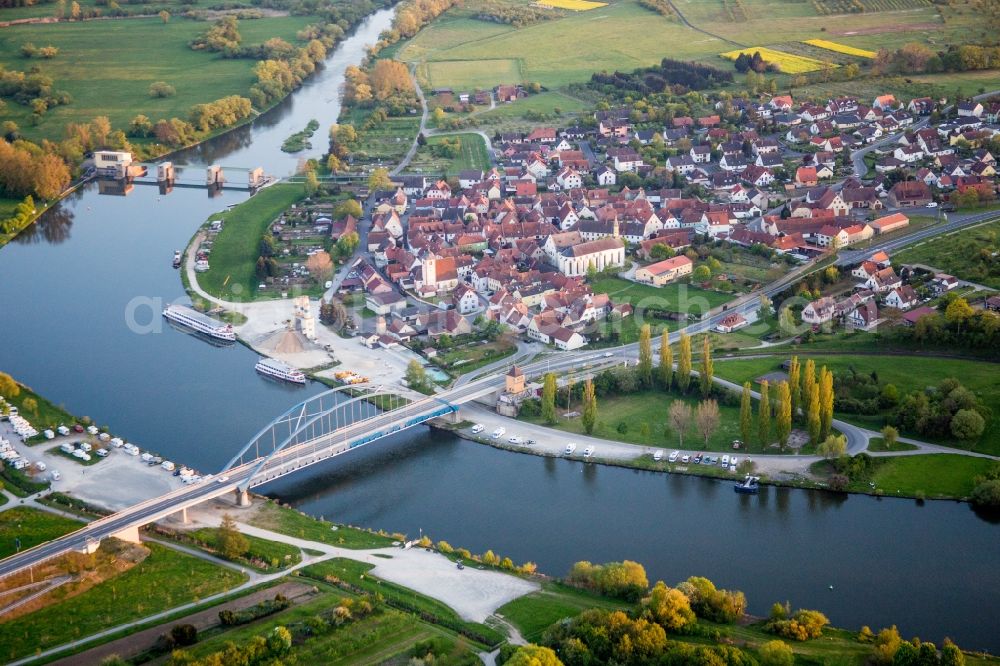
<point>980,378</point>
<point>672,297</point>
<point>32,526</point>
<point>107,67</point>
<point>468,75</point>
<point>165,579</point>
<point>535,612</point>
<point>936,475</point>
<point>473,155</point>
<point>234,255</point>
<point>966,254</point>
<point>650,408</point>
<point>356,573</point>
<point>554,53</point>
<point>277,555</point>
<point>291,522</point>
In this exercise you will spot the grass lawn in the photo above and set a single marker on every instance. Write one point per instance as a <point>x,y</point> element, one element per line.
<point>114,81</point>
<point>356,573</point>
<point>535,612</point>
<point>672,297</point>
<point>32,526</point>
<point>935,475</point>
<point>277,555</point>
<point>965,254</point>
<point>166,578</point>
<point>234,255</point>
<point>650,408</point>
<point>980,378</point>
<point>291,522</point>
<point>473,155</point>
<point>475,356</point>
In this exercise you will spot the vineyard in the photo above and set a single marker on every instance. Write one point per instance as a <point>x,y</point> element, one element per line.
<point>839,48</point>
<point>827,7</point>
<point>785,62</point>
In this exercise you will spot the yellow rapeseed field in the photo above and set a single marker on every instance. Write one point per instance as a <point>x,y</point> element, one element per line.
<point>787,62</point>
<point>839,48</point>
<point>575,5</point>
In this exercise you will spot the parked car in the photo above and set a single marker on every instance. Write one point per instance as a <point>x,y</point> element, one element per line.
<point>673,456</point>
<point>478,428</point>
<point>685,458</point>
<point>515,440</point>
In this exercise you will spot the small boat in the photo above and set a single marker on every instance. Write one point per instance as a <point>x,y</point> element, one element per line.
<point>177,258</point>
<point>749,486</point>
<point>278,370</point>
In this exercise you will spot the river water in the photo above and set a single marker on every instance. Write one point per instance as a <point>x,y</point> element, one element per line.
<point>71,285</point>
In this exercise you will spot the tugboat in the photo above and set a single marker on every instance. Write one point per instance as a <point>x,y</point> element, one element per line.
<point>177,258</point>
<point>749,486</point>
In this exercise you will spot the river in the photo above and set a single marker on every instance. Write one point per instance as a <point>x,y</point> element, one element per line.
<point>70,285</point>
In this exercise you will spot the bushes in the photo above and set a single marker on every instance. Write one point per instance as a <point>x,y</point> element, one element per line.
<point>161,89</point>
<point>623,580</point>
<point>725,606</point>
<point>267,607</point>
<point>668,607</point>
<point>801,626</point>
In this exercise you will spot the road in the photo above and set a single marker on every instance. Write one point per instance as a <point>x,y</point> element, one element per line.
<point>405,162</point>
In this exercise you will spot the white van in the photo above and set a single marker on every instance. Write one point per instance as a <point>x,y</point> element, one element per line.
<point>56,475</point>
<point>40,466</point>
<point>62,430</point>
<point>49,434</point>
<point>92,429</point>
<point>66,447</point>
<point>85,447</point>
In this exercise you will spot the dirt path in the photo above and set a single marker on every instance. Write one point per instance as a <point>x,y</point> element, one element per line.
<point>143,640</point>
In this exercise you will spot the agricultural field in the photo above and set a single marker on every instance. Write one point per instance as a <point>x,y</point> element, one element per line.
<point>472,155</point>
<point>602,39</point>
<point>573,5</point>
<point>840,48</point>
<point>469,75</point>
<point>145,51</point>
<point>788,63</point>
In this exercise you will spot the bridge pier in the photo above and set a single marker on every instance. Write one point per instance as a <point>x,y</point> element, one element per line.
<point>242,497</point>
<point>130,534</point>
<point>182,516</point>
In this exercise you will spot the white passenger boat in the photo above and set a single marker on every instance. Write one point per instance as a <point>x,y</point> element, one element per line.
<point>199,322</point>
<point>279,370</point>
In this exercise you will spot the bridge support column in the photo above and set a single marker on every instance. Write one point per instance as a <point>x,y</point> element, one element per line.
<point>242,497</point>
<point>453,417</point>
<point>130,534</point>
<point>182,516</point>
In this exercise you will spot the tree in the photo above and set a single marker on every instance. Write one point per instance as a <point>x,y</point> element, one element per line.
<point>765,306</point>
<point>825,401</point>
<point>140,126</point>
<point>679,414</point>
<point>701,274</point>
<point>644,368</point>
<point>776,653</point>
<point>887,642</point>
<point>348,243</point>
<point>311,183</point>
<point>164,16</point>
<point>347,207</point>
<point>30,406</point>
<point>764,415</point>
<point>668,607</point>
<point>967,424</point>
<point>832,447</point>
<point>74,10</point>
<point>813,423</point>
<point>684,362</point>
<point>707,419</point>
<point>958,312</point>
<point>889,437</point>
<point>416,375</point>
<point>666,367</point>
<point>795,385</point>
<point>746,413</point>
<point>707,368</point>
<point>549,398</point>
<point>320,266</point>
<point>379,180</point>
<point>533,655</point>
<point>786,320</point>
<point>8,387</point>
<point>589,407</point>
<point>783,414</point>
<point>161,89</point>
<point>231,544</point>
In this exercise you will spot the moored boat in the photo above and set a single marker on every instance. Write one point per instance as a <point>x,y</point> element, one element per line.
<point>177,259</point>
<point>199,322</point>
<point>278,370</point>
<point>749,486</point>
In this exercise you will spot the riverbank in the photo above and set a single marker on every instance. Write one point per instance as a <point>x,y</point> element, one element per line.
<point>808,472</point>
